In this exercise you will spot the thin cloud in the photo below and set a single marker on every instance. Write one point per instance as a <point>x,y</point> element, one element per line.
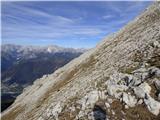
<point>35,22</point>
<point>106,17</point>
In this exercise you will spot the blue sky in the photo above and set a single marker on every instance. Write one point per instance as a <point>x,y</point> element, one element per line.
<point>67,24</point>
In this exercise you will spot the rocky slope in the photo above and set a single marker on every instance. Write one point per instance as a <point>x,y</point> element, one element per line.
<point>117,80</point>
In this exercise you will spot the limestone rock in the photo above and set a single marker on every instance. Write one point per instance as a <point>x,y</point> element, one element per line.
<point>116,90</point>
<point>152,105</point>
<point>156,44</point>
<point>157,84</point>
<point>159,96</point>
<point>129,100</point>
<point>140,102</point>
<point>142,90</point>
<point>89,100</point>
<point>142,74</point>
<point>155,71</point>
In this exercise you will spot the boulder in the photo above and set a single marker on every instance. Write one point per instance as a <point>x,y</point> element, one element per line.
<point>142,74</point>
<point>157,84</point>
<point>129,99</point>
<point>142,90</point>
<point>154,71</point>
<point>139,92</point>
<point>152,105</point>
<point>89,100</point>
<point>116,90</point>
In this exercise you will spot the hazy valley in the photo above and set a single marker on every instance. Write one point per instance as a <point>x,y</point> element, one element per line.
<point>22,65</point>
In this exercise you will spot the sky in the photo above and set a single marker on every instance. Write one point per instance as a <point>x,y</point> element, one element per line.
<point>67,24</point>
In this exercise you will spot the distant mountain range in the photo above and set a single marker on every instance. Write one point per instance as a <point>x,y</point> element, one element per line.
<point>12,54</point>
<point>21,65</point>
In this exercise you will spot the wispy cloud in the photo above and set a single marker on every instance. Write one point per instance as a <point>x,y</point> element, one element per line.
<point>52,21</point>
<point>106,17</point>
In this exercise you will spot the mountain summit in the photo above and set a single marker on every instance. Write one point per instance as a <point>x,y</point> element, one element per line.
<point>119,79</point>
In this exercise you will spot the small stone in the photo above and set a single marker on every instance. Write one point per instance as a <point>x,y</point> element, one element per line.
<point>40,118</point>
<point>140,102</point>
<point>107,105</point>
<point>159,96</point>
<point>126,106</point>
<point>154,71</point>
<point>113,113</point>
<point>72,108</point>
<point>156,44</point>
<point>123,112</point>
<point>110,100</point>
<point>102,94</point>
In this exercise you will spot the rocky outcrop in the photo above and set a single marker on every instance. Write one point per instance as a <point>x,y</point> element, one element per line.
<point>152,105</point>
<point>120,86</point>
<point>142,90</point>
<point>115,80</point>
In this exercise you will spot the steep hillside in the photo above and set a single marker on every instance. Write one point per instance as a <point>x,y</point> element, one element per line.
<point>118,79</point>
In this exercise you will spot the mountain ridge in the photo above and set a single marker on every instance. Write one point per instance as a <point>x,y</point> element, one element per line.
<point>18,52</point>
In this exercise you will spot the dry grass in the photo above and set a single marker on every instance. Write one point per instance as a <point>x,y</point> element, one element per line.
<point>66,114</point>
<point>129,69</point>
<point>88,64</point>
<point>154,61</point>
<point>117,107</point>
<point>139,112</point>
<point>13,114</point>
